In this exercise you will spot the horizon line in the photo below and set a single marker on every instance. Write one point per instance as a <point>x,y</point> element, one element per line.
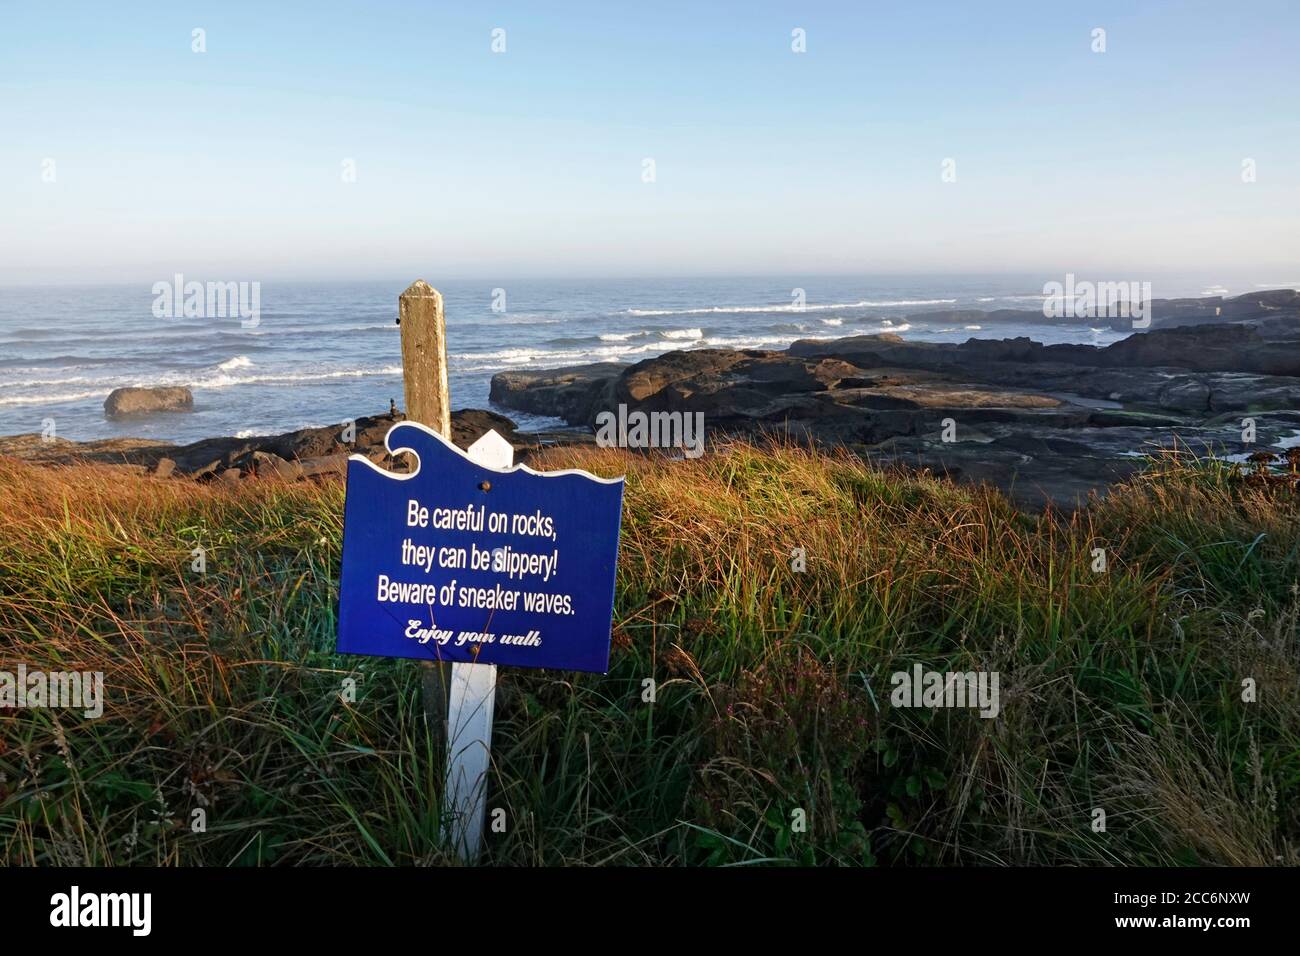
<point>661,277</point>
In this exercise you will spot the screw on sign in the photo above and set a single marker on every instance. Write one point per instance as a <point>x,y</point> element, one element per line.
<point>472,560</point>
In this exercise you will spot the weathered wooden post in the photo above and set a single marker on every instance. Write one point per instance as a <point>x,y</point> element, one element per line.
<point>424,357</point>
<point>428,401</point>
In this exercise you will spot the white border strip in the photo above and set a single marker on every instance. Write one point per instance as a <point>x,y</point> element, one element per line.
<point>500,471</point>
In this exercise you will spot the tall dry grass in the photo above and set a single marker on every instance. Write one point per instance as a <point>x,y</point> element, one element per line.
<point>771,737</point>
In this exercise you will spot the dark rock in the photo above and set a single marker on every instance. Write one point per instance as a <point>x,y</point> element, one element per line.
<point>204,472</point>
<point>1188,395</point>
<point>309,452</point>
<point>567,393</point>
<point>325,465</point>
<point>1163,313</point>
<point>1206,348</point>
<point>143,401</point>
<point>279,469</point>
<point>274,454</point>
<point>468,425</point>
<point>263,464</point>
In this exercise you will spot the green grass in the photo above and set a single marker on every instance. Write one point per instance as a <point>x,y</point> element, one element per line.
<point>1119,690</point>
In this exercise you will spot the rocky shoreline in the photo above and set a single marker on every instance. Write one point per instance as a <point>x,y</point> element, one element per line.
<point>1042,422</point>
<point>305,453</point>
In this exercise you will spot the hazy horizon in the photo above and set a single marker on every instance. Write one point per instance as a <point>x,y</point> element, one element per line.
<point>1182,283</point>
<point>366,142</point>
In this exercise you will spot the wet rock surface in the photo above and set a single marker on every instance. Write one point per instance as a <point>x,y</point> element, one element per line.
<point>124,402</point>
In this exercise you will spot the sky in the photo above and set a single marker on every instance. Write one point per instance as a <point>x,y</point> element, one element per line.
<point>127,156</point>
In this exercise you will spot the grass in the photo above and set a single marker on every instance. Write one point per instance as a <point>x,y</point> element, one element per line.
<point>771,737</point>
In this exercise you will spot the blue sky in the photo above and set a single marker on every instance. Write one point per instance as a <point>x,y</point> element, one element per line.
<point>227,164</point>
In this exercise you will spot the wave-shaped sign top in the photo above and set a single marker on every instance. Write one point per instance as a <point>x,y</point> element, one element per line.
<point>458,562</point>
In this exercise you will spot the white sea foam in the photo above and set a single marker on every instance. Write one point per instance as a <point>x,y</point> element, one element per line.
<point>1291,441</point>
<point>612,351</point>
<point>808,307</point>
<point>894,302</point>
<point>755,342</point>
<point>225,380</point>
<point>32,383</point>
<point>260,432</point>
<point>505,355</point>
<point>678,334</point>
<point>1033,297</point>
<point>239,361</point>
<point>50,399</point>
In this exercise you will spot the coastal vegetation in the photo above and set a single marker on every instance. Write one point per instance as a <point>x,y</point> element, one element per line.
<point>1146,646</point>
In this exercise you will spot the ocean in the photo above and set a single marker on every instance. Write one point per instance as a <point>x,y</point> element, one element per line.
<point>323,352</point>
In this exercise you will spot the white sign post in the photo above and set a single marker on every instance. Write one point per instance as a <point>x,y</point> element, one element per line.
<point>469,713</point>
